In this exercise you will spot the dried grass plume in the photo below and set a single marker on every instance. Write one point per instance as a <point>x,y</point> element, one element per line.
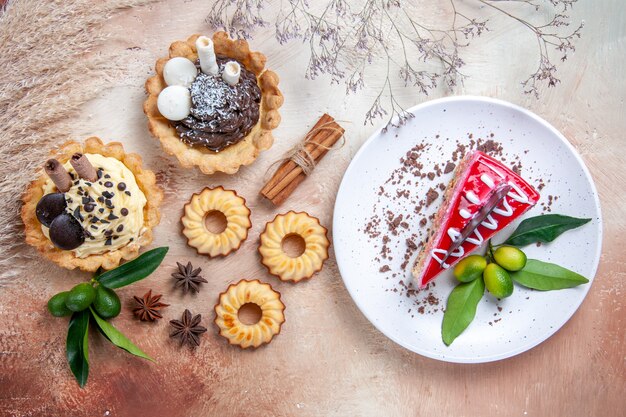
<point>48,72</point>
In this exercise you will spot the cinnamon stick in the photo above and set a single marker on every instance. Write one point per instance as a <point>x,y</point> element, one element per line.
<point>282,195</point>
<point>289,165</point>
<point>322,136</point>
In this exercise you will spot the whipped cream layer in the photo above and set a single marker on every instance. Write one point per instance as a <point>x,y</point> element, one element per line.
<point>110,210</point>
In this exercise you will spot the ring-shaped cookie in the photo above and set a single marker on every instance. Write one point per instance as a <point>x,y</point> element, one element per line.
<point>246,292</point>
<point>315,251</point>
<point>235,212</point>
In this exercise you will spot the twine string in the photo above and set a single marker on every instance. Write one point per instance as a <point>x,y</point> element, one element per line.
<point>302,157</point>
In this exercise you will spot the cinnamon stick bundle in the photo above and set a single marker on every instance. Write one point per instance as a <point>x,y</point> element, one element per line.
<point>289,174</point>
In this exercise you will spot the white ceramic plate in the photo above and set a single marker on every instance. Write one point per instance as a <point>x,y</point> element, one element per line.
<point>501,329</point>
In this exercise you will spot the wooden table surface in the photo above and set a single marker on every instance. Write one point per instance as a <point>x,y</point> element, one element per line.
<point>329,360</point>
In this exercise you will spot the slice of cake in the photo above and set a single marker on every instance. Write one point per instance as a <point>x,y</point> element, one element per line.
<point>476,183</point>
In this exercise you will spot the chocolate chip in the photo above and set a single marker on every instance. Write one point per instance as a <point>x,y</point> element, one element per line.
<point>101,210</point>
<point>112,217</point>
<point>119,228</point>
<point>124,211</point>
<point>99,173</point>
<point>89,207</point>
<point>107,194</point>
<point>108,242</point>
<point>108,184</point>
<point>127,193</point>
<point>121,186</point>
<point>107,176</point>
<point>101,199</point>
<point>85,200</point>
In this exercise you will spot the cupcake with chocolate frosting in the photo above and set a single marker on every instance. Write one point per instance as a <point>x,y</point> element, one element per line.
<point>212,103</point>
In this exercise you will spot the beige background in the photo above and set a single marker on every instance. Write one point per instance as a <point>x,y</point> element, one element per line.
<point>328,360</point>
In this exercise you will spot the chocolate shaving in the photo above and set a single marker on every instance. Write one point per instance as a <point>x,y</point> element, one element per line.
<point>431,196</point>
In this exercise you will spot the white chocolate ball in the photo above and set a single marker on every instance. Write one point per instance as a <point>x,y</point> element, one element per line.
<point>179,71</point>
<point>174,102</point>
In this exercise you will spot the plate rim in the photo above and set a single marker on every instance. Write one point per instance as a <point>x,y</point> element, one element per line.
<point>596,201</point>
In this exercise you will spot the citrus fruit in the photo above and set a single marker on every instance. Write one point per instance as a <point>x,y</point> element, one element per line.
<point>80,297</point>
<point>510,258</point>
<point>107,304</point>
<point>470,268</point>
<point>498,281</point>
<point>56,305</point>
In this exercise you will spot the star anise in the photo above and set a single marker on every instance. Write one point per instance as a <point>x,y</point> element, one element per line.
<point>188,330</point>
<point>188,278</point>
<point>147,307</point>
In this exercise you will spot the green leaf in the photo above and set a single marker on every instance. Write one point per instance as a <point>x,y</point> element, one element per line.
<point>77,350</point>
<point>544,228</point>
<point>134,270</point>
<point>461,309</point>
<point>117,338</point>
<point>546,276</point>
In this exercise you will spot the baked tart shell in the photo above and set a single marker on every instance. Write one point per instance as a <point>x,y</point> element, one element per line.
<point>146,180</point>
<point>234,156</point>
